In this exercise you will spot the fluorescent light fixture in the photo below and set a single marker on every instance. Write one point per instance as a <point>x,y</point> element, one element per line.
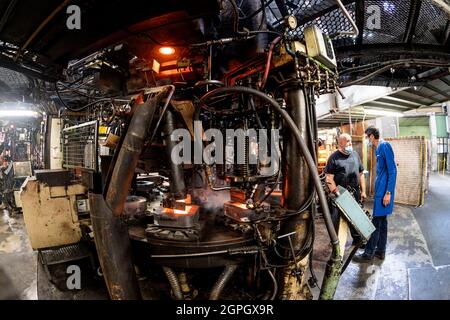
<point>377,112</point>
<point>18,113</point>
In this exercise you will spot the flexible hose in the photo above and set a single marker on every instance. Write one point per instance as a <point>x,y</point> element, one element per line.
<point>275,285</point>
<point>222,282</point>
<point>174,283</point>
<point>269,61</point>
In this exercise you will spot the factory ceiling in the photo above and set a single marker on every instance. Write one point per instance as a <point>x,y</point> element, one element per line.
<point>435,93</point>
<point>408,47</point>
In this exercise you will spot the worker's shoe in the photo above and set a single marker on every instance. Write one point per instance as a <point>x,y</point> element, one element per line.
<point>380,255</point>
<point>362,258</point>
<point>359,244</point>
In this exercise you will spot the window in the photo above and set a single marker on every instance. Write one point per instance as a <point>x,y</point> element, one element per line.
<point>442,145</point>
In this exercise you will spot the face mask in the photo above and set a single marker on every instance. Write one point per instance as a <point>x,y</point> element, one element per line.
<point>348,149</point>
<point>368,143</point>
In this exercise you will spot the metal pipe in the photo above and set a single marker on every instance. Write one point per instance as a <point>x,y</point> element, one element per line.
<point>164,109</point>
<point>128,156</point>
<point>7,13</point>
<point>114,251</point>
<point>177,184</point>
<point>41,26</point>
<point>225,276</point>
<point>355,31</point>
<point>174,283</point>
<point>275,285</point>
<point>188,255</point>
<point>296,176</point>
<point>394,65</point>
<point>444,5</point>
<point>209,82</point>
<point>269,61</point>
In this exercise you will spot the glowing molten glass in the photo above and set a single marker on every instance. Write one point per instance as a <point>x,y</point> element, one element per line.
<point>167,51</point>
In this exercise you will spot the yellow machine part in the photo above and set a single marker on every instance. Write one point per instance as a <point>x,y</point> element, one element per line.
<point>50,213</point>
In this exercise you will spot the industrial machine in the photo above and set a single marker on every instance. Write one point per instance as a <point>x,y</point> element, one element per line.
<point>209,186</point>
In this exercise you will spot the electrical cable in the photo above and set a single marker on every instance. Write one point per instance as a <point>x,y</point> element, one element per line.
<point>87,105</point>
<point>387,67</point>
<point>269,61</point>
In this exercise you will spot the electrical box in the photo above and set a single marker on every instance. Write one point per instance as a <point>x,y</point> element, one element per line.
<point>354,213</point>
<point>22,169</point>
<point>319,46</point>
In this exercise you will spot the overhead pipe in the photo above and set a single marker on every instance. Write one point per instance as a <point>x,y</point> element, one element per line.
<point>444,5</point>
<point>41,26</point>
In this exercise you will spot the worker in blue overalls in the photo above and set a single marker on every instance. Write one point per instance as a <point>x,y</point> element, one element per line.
<point>384,196</point>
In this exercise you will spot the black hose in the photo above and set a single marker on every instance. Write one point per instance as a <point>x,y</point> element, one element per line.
<point>83,107</point>
<point>174,283</point>
<point>303,147</point>
<point>177,185</point>
<point>275,285</point>
<point>258,120</point>
<point>387,67</point>
<point>225,276</point>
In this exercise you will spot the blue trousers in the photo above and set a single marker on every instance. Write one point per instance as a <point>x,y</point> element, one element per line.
<point>378,240</point>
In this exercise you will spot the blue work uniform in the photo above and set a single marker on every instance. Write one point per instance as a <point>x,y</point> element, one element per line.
<point>385,179</point>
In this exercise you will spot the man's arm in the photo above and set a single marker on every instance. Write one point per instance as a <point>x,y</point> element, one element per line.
<point>330,182</point>
<point>330,170</point>
<point>362,180</point>
<point>391,173</point>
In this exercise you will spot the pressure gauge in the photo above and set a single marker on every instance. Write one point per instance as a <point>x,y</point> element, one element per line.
<point>291,22</point>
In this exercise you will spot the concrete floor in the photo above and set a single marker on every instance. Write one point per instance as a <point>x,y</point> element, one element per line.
<point>417,264</point>
<point>18,262</point>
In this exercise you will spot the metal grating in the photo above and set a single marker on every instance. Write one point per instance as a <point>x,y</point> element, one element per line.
<point>302,9</point>
<point>80,146</point>
<point>13,79</point>
<point>330,22</point>
<point>393,21</point>
<point>63,254</point>
<point>431,24</point>
<point>333,22</point>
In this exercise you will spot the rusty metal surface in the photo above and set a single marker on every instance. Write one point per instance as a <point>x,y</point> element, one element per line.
<point>114,251</point>
<point>128,156</point>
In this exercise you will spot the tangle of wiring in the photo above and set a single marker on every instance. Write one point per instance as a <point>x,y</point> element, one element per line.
<point>90,104</point>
